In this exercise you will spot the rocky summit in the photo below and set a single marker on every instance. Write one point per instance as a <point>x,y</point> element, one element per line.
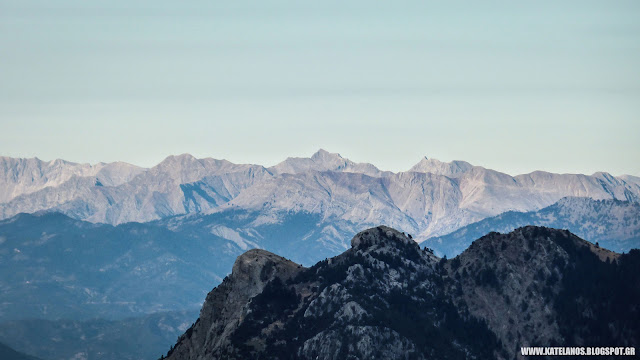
<point>386,298</point>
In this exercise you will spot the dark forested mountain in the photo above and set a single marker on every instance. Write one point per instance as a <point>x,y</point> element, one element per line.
<point>386,297</point>
<point>614,224</point>
<point>54,267</point>
<point>97,339</point>
<point>7,353</point>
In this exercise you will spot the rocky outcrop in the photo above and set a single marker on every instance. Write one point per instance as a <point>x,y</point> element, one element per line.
<point>387,298</point>
<point>227,305</point>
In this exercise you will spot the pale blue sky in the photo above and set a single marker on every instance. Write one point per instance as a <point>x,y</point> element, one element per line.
<point>511,85</point>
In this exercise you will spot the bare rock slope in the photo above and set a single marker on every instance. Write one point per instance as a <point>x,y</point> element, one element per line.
<point>433,198</point>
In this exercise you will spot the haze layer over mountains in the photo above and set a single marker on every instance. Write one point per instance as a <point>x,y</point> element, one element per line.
<point>432,198</point>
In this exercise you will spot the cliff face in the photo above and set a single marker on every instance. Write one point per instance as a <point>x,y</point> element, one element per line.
<point>387,298</point>
<point>227,306</point>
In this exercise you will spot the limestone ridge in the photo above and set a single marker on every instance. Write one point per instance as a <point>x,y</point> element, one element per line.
<point>433,198</point>
<point>387,298</point>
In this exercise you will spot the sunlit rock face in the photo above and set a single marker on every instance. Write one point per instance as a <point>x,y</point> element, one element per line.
<point>432,198</point>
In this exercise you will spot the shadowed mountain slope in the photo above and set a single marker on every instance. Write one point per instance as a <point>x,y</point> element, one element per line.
<point>7,353</point>
<point>387,298</point>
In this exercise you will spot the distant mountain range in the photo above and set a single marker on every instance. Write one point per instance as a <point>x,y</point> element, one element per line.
<point>433,198</point>
<point>614,224</point>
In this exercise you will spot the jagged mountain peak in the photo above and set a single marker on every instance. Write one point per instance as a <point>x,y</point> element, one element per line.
<point>323,160</point>
<point>326,155</point>
<point>187,168</point>
<point>21,176</point>
<point>177,159</point>
<point>58,162</point>
<point>187,160</point>
<point>605,176</point>
<point>452,169</point>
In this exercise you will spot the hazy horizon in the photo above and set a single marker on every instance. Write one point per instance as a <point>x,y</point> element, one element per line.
<point>509,86</point>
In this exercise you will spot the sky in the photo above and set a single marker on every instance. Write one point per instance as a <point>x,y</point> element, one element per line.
<point>515,86</point>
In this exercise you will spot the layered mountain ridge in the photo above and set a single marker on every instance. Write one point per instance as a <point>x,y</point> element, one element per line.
<point>387,298</point>
<point>432,198</point>
<point>24,176</point>
<point>55,267</point>
<point>614,224</point>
